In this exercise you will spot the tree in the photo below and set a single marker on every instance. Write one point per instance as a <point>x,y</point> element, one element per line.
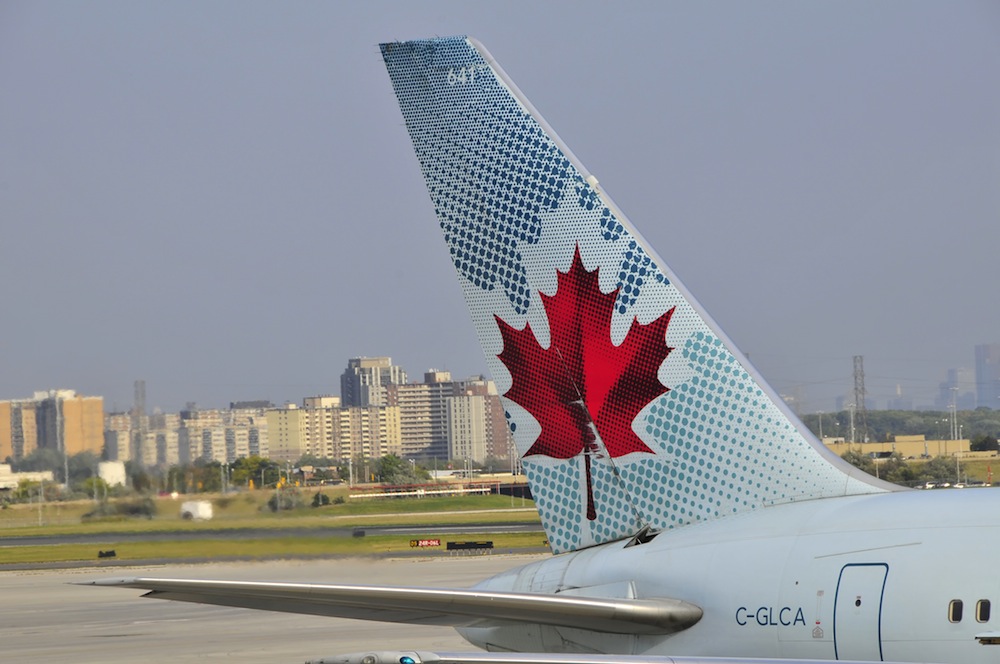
<point>177,479</point>
<point>207,476</point>
<point>939,469</point>
<point>41,459</point>
<point>984,443</point>
<point>859,460</point>
<point>262,472</point>
<point>313,460</point>
<point>82,467</point>
<point>390,469</point>
<point>95,486</point>
<point>138,477</point>
<point>895,469</point>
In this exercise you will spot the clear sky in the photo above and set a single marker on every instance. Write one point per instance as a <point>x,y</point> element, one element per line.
<point>220,197</point>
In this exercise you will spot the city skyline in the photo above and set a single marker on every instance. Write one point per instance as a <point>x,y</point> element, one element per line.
<point>221,199</point>
<point>381,414</point>
<point>959,387</point>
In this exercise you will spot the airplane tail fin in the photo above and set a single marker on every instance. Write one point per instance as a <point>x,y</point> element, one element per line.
<point>629,406</point>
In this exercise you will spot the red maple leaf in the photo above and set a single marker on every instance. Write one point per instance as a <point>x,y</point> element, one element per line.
<point>582,381</point>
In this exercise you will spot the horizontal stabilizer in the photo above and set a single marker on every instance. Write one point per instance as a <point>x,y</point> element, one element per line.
<point>429,606</point>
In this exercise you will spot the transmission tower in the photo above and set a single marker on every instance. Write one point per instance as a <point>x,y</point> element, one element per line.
<point>859,396</point>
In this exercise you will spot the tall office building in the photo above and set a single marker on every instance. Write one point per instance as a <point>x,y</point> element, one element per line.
<point>988,376</point>
<point>365,380</point>
<point>958,388</point>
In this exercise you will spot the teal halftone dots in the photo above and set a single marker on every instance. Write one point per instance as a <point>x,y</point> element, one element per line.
<point>723,446</point>
<point>492,172</point>
<point>490,168</point>
<point>557,491</point>
<point>614,509</point>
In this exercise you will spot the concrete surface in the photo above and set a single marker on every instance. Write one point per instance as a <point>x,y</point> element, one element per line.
<point>44,618</point>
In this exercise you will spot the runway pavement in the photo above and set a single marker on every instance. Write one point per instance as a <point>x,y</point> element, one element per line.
<point>44,618</point>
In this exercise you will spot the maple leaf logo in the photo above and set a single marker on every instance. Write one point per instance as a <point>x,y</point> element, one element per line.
<point>582,381</point>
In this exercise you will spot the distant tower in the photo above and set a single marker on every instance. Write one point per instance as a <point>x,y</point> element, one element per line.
<point>860,395</point>
<point>138,420</point>
<point>139,403</point>
<point>988,376</point>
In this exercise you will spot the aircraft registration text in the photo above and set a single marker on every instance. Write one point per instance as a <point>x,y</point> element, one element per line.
<point>770,616</point>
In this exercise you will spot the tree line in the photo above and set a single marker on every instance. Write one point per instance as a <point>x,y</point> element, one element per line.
<point>202,476</point>
<point>933,424</point>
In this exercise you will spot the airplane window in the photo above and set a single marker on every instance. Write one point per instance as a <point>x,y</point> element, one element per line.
<point>955,611</point>
<point>983,610</point>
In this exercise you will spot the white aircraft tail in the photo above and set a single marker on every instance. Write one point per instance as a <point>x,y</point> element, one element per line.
<point>629,406</point>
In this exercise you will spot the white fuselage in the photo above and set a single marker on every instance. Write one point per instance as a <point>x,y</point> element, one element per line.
<point>862,578</point>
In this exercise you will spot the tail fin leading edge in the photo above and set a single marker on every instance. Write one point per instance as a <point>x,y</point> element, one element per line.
<point>628,405</point>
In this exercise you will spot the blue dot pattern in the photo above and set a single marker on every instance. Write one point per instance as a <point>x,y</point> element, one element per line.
<point>514,207</point>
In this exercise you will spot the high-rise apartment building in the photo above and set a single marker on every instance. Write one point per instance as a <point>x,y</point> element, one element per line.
<point>988,376</point>
<point>370,433</point>
<point>323,424</point>
<point>56,419</point>
<point>287,432</point>
<point>499,439</point>
<point>246,430</point>
<point>365,380</point>
<point>312,429</point>
<point>423,413</point>
<point>216,435</point>
<point>167,446</point>
<point>467,427</point>
<point>433,428</point>
<point>70,422</point>
<point>18,429</point>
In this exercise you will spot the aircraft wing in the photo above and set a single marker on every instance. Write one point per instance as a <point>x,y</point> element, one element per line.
<point>429,606</point>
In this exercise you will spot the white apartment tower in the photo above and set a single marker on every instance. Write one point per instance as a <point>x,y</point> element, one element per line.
<point>432,426</point>
<point>467,427</point>
<point>364,381</point>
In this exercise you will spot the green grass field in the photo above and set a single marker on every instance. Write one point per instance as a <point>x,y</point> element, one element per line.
<point>249,511</point>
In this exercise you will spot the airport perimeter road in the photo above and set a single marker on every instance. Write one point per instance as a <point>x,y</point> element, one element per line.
<point>44,618</point>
